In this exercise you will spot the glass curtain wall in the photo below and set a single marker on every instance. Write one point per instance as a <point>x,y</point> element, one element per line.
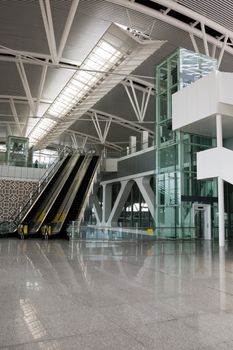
<point>175,156</point>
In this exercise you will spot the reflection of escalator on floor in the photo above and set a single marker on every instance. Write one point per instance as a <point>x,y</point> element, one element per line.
<point>73,204</point>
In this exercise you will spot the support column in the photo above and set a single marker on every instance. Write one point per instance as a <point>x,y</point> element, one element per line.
<point>107,202</point>
<point>133,144</point>
<point>221,223</point>
<point>147,193</point>
<point>144,139</point>
<point>119,202</point>
<point>97,209</point>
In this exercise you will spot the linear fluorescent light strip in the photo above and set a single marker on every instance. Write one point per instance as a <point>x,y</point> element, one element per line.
<point>103,57</point>
<point>84,89</point>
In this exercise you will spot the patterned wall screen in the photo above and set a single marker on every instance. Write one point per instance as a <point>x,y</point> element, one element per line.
<point>13,195</point>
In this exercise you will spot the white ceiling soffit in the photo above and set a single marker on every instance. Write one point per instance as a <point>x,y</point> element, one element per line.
<point>132,51</point>
<point>217,10</point>
<point>187,19</point>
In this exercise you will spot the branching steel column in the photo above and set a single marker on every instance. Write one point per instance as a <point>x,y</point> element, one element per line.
<point>107,202</point>
<point>97,208</point>
<point>9,130</point>
<point>120,201</point>
<point>222,51</point>
<point>205,39</point>
<point>67,28</point>
<point>147,193</point>
<point>48,24</point>
<point>140,110</point>
<point>194,42</point>
<point>102,135</point>
<point>74,140</point>
<point>27,90</point>
<point>15,115</point>
<point>41,86</point>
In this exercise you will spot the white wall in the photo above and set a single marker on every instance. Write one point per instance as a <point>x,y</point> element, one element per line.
<point>195,102</point>
<point>215,162</point>
<point>20,173</point>
<point>204,98</point>
<point>110,164</point>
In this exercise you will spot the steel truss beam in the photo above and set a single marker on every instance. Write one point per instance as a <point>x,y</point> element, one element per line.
<point>102,134</point>
<point>139,84</point>
<point>21,99</point>
<point>49,30</point>
<point>67,28</point>
<point>16,117</point>
<point>139,108</point>
<point>120,121</point>
<point>98,116</point>
<point>36,58</point>
<point>189,28</point>
<point>95,140</point>
<point>26,87</point>
<point>74,140</point>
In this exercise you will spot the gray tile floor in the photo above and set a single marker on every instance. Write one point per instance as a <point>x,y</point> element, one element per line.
<point>103,295</point>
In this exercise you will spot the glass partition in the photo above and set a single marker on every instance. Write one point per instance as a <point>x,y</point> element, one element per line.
<point>177,187</point>
<point>17,151</point>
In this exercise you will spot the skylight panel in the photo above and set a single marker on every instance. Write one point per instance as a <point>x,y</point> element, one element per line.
<point>109,54</point>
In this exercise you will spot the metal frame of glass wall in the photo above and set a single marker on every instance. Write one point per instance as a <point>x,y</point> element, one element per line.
<point>176,186</point>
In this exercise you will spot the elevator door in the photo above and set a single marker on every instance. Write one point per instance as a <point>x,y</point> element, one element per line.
<point>202,220</point>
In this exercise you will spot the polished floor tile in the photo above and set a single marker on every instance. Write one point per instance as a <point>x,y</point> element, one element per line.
<point>115,295</point>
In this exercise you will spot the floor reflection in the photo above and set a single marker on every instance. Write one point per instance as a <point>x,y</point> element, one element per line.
<point>59,289</point>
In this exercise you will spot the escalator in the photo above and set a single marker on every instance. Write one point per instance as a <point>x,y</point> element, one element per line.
<point>73,204</point>
<point>63,198</point>
<point>39,196</point>
<point>55,195</point>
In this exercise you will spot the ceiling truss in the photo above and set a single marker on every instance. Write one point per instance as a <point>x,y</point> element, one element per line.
<point>93,139</point>
<point>139,107</point>
<point>196,28</point>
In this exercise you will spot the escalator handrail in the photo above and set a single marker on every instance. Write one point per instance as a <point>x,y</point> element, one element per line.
<point>56,192</point>
<point>86,194</point>
<point>67,202</point>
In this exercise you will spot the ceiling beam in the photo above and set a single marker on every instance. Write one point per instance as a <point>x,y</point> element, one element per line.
<point>15,115</point>
<point>21,99</point>
<point>67,28</point>
<point>49,30</point>
<point>41,87</point>
<point>137,127</point>
<point>205,39</point>
<point>35,58</point>
<point>26,87</point>
<point>173,5</point>
<point>222,51</point>
<point>94,139</point>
